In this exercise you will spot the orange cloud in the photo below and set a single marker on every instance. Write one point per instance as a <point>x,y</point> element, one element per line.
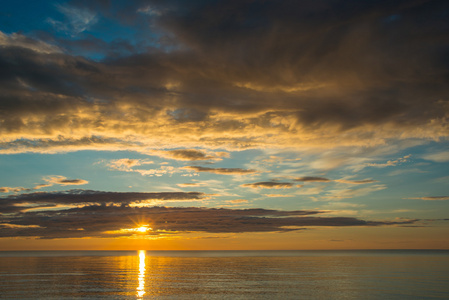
<point>6,189</point>
<point>61,180</point>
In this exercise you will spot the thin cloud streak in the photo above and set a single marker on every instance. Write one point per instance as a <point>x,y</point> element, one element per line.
<point>222,171</point>
<point>364,181</point>
<point>269,185</point>
<point>432,198</point>
<point>312,179</point>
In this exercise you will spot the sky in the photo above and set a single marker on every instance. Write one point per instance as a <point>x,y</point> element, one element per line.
<point>189,125</point>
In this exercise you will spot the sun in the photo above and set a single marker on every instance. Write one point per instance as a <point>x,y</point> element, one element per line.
<point>143,228</point>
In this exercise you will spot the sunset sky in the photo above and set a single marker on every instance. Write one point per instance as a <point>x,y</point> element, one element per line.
<point>224,124</point>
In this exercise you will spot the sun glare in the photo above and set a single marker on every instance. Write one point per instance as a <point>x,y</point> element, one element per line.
<point>142,229</point>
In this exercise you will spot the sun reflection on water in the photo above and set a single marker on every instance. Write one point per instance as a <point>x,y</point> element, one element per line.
<point>141,288</point>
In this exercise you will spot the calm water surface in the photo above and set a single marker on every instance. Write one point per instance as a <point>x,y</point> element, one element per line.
<point>224,275</point>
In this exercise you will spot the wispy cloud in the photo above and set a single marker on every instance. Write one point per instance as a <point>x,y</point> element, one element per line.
<point>390,162</point>
<point>351,193</point>
<point>437,157</point>
<point>406,171</point>
<point>76,20</point>
<point>149,10</point>
<point>127,164</point>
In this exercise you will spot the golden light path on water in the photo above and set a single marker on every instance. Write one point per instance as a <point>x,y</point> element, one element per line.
<point>141,278</point>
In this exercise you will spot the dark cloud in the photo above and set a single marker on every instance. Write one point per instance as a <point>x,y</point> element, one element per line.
<point>72,181</point>
<point>363,47</point>
<point>223,171</point>
<point>372,70</point>
<point>189,154</point>
<point>312,179</point>
<point>110,221</point>
<point>269,185</point>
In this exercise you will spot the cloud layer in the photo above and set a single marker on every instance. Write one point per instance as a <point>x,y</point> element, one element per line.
<point>341,73</point>
<point>106,214</point>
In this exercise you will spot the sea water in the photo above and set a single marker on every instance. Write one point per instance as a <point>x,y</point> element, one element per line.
<point>394,274</point>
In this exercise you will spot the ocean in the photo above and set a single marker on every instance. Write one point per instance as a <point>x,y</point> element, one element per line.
<point>377,274</point>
